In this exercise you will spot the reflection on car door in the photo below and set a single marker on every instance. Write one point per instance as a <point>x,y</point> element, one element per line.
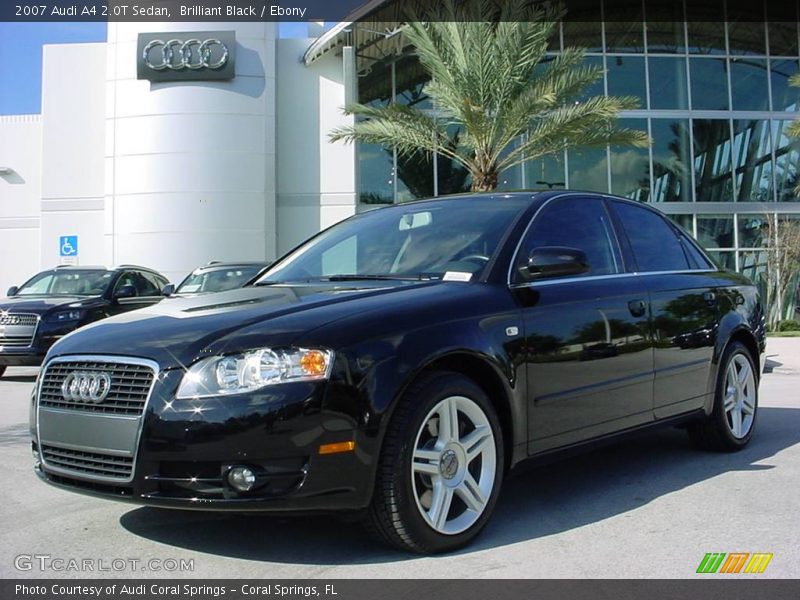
<point>588,358</point>
<point>684,304</point>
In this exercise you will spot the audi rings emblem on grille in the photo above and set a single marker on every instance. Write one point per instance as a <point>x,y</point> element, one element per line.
<point>86,386</point>
<point>8,319</point>
<point>176,54</point>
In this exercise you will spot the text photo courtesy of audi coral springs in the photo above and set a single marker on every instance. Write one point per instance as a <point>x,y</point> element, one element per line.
<point>384,368</point>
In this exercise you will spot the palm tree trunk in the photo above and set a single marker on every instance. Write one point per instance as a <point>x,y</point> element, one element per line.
<point>485,181</point>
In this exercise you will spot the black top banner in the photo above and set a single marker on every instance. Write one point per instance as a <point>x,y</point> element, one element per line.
<point>349,10</point>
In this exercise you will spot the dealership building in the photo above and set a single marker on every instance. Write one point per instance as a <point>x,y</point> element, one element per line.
<point>224,154</point>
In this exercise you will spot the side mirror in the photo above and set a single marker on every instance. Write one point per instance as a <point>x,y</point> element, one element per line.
<point>168,290</point>
<point>555,261</point>
<point>12,291</point>
<point>125,291</point>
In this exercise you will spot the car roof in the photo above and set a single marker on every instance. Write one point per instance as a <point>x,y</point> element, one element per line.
<point>534,196</point>
<point>107,268</point>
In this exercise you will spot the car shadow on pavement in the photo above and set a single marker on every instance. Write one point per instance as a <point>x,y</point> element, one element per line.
<point>536,501</point>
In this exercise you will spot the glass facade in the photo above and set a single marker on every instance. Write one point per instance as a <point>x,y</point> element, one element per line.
<point>713,96</point>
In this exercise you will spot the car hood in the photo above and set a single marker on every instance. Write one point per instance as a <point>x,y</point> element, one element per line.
<point>42,304</point>
<point>178,331</point>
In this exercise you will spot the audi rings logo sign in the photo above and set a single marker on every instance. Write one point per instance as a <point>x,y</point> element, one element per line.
<point>86,386</point>
<point>186,56</point>
<point>191,54</point>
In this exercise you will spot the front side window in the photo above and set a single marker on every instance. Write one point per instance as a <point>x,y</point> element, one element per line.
<point>654,242</point>
<point>127,278</point>
<point>580,223</point>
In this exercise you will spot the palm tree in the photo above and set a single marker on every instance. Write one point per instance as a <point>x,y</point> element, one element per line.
<point>482,57</point>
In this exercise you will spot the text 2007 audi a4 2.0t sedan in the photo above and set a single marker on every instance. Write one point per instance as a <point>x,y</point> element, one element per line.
<point>396,365</point>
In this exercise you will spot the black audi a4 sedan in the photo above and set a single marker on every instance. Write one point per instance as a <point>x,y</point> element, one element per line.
<point>55,302</point>
<point>395,366</point>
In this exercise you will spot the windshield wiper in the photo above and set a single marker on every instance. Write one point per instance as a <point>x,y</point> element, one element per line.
<point>346,277</point>
<point>354,277</point>
<point>262,283</point>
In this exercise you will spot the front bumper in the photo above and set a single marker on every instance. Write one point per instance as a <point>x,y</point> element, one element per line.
<point>21,357</point>
<point>28,356</point>
<point>184,449</point>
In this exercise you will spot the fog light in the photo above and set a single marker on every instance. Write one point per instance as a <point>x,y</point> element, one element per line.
<point>241,479</point>
<point>37,461</point>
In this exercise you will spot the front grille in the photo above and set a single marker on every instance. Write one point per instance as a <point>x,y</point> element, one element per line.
<point>95,464</point>
<point>18,319</point>
<point>17,329</point>
<point>130,385</point>
<point>16,340</point>
<point>109,489</point>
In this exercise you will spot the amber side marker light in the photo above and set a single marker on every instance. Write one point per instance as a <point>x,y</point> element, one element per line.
<point>313,363</point>
<point>337,447</point>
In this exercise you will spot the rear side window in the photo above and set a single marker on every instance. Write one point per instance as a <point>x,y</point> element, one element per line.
<point>156,281</point>
<point>696,258</point>
<point>581,223</point>
<point>145,285</point>
<point>655,243</point>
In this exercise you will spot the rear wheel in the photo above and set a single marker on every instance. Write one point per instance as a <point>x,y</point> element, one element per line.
<point>730,425</point>
<point>440,468</point>
<point>2,370</point>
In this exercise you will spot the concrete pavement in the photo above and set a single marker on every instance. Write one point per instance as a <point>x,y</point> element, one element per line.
<point>783,355</point>
<point>648,507</point>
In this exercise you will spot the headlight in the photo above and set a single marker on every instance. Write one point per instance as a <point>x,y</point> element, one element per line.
<point>248,371</point>
<point>66,315</point>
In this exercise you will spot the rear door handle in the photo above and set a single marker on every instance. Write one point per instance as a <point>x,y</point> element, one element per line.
<point>637,307</point>
<point>710,298</point>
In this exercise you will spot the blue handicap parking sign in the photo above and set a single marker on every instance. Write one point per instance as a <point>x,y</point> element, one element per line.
<point>68,245</point>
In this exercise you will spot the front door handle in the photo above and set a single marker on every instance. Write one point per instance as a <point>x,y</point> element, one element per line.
<point>637,307</point>
<point>710,298</point>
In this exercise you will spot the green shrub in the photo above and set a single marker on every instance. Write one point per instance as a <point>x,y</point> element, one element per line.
<point>789,325</point>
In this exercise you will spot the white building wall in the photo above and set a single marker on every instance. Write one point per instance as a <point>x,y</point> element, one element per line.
<point>20,197</point>
<point>73,103</point>
<point>190,166</point>
<point>173,175</point>
<point>316,179</point>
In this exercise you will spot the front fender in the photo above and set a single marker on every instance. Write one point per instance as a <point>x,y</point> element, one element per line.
<point>380,371</point>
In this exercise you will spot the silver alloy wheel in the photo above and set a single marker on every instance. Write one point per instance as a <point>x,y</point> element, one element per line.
<point>454,465</point>
<point>739,399</point>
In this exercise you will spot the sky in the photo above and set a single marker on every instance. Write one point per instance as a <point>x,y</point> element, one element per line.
<point>21,57</point>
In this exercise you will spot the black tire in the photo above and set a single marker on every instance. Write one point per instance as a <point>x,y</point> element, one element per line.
<point>715,431</point>
<point>2,370</point>
<point>394,515</point>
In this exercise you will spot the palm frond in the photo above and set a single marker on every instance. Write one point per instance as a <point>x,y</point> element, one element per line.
<point>586,124</point>
<point>395,126</point>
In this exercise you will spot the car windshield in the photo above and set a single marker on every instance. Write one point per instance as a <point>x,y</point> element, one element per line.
<point>450,239</point>
<point>67,283</point>
<point>217,280</point>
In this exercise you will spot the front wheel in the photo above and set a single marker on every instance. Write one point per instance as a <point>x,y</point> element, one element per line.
<point>2,370</point>
<point>441,466</point>
<point>730,425</point>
